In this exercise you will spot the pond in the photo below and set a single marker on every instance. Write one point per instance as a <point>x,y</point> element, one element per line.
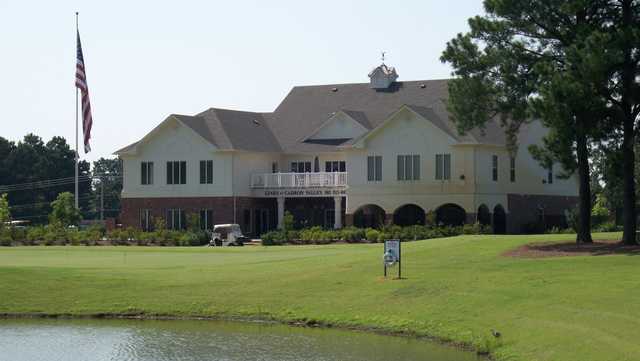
<point>159,340</point>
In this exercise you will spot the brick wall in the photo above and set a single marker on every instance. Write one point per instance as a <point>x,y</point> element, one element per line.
<point>222,209</point>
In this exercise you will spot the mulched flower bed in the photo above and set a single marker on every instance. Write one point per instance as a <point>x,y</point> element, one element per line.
<point>555,249</point>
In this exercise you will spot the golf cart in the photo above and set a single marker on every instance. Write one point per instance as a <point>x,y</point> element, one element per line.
<point>227,235</point>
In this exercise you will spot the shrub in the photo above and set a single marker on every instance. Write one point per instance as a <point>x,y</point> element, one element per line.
<point>599,212</point>
<point>310,234</point>
<point>5,214</point>
<point>55,233</point>
<point>351,234</point>
<point>35,234</point>
<point>5,237</point>
<point>273,238</point>
<point>558,230</point>
<point>476,228</point>
<point>572,219</point>
<point>64,210</point>
<point>608,227</point>
<point>287,221</point>
<point>291,235</point>
<point>372,235</point>
<point>145,238</point>
<point>317,235</point>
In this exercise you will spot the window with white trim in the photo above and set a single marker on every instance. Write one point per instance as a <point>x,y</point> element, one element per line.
<point>146,222</point>
<point>374,168</point>
<point>176,219</point>
<point>335,166</point>
<point>300,167</point>
<point>408,167</point>
<point>494,168</point>
<point>512,169</point>
<point>443,166</point>
<point>146,173</point>
<point>206,172</point>
<point>206,219</point>
<point>177,172</point>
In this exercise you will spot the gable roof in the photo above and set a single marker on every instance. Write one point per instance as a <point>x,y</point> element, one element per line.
<point>184,120</point>
<point>239,130</point>
<point>306,108</point>
<point>228,130</point>
<point>357,117</point>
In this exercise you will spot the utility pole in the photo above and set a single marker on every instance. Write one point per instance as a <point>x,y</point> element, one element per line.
<point>102,198</point>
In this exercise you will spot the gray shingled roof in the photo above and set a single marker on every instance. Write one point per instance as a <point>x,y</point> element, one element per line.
<point>238,130</point>
<point>306,108</point>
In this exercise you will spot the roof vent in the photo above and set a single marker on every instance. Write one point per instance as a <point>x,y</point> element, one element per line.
<point>256,122</point>
<point>382,76</point>
<point>422,86</point>
<point>334,89</point>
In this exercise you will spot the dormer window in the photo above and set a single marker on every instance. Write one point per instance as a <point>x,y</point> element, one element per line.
<point>382,76</point>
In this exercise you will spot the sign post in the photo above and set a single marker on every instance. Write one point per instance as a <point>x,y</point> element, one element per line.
<point>392,255</point>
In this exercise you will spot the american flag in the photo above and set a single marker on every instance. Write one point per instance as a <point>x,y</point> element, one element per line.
<point>81,83</point>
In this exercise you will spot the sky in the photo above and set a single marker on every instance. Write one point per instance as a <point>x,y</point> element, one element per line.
<point>147,59</point>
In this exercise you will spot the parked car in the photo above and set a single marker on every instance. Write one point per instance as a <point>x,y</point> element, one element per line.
<point>227,235</point>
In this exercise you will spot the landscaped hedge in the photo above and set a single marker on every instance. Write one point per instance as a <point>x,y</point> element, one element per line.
<point>317,235</point>
<point>58,235</point>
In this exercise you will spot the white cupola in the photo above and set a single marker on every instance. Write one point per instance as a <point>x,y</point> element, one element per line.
<point>382,76</point>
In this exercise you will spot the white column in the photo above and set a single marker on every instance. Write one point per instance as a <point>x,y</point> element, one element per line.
<point>337,201</point>
<point>280,212</point>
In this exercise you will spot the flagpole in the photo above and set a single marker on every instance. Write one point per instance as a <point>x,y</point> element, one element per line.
<point>77,153</point>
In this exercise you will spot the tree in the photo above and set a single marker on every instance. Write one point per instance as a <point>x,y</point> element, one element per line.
<point>5,214</point>
<point>620,48</point>
<point>524,60</point>
<point>64,211</point>
<point>107,173</point>
<point>31,160</point>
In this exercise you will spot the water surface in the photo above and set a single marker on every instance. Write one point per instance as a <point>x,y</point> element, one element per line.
<point>155,340</point>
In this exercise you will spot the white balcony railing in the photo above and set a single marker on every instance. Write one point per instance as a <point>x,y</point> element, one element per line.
<point>299,180</point>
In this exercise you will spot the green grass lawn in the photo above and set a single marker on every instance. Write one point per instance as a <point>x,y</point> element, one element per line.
<point>456,289</point>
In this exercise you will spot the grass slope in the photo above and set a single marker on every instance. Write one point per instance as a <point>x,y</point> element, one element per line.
<point>457,289</point>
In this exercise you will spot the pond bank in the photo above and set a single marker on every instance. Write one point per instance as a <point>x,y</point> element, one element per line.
<point>301,323</point>
<point>160,340</point>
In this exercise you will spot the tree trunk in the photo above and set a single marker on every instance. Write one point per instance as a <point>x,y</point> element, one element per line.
<point>584,224</point>
<point>628,123</point>
<point>629,201</point>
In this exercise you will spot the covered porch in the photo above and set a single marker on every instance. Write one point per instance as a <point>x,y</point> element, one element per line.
<point>313,198</point>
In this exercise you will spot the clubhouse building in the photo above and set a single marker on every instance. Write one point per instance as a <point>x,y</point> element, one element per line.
<point>363,154</point>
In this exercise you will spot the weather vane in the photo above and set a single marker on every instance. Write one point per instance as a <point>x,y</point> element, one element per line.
<point>383,54</point>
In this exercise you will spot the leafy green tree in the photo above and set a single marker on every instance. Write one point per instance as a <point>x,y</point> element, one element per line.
<point>619,49</point>
<point>526,60</point>
<point>107,173</point>
<point>5,214</point>
<point>31,160</point>
<point>64,211</point>
<point>287,221</point>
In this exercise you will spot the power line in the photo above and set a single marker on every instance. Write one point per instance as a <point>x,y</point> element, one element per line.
<point>44,203</point>
<point>47,183</point>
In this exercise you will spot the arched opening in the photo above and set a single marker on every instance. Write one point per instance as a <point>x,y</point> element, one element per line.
<point>499,220</point>
<point>450,215</point>
<point>484,217</point>
<point>369,216</point>
<point>409,215</point>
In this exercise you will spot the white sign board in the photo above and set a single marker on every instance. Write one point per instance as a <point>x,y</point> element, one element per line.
<point>393,245</point>
<point>392,256</point>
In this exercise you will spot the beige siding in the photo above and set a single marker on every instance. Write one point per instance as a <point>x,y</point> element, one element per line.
<point>175,142</point>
